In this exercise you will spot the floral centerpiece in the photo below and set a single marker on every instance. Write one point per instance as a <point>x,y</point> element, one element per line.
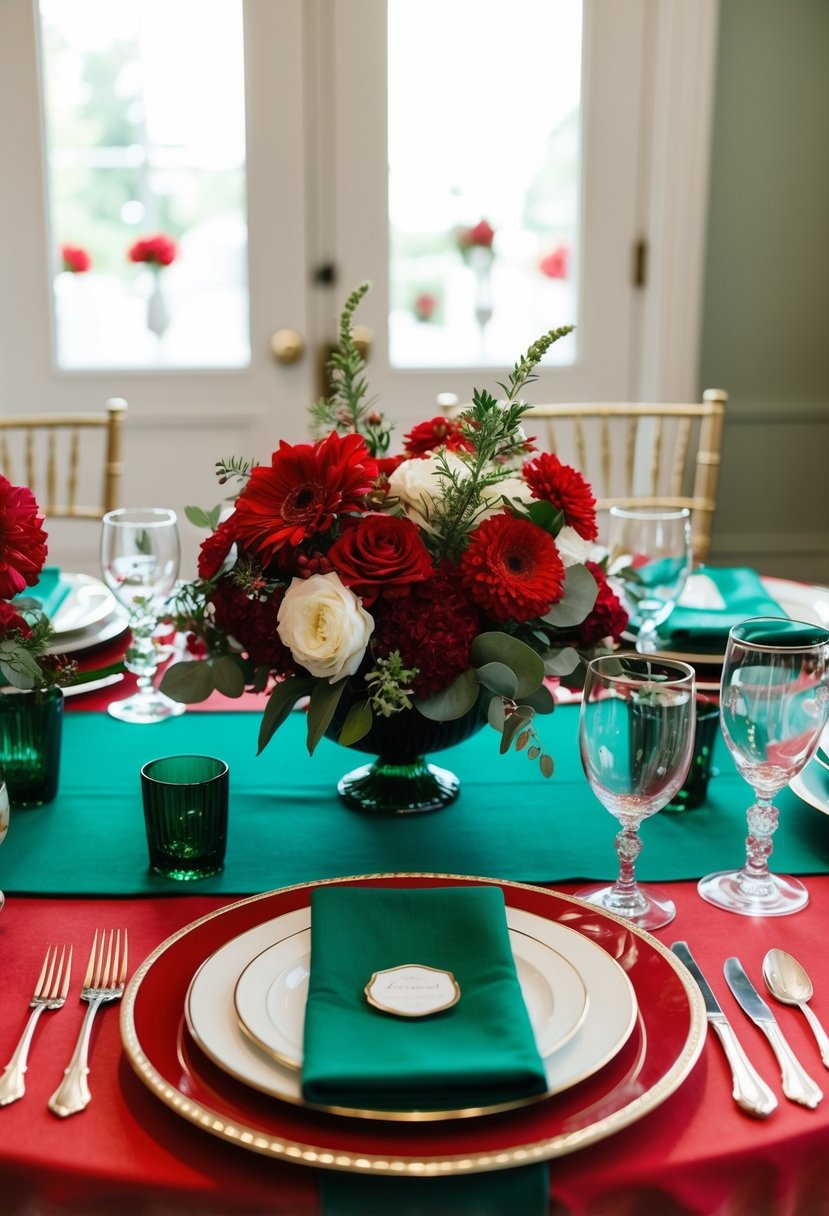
<point>442,584</point>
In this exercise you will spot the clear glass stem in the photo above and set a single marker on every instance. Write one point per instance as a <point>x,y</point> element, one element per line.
<point>762,823</point>
<point>142,655</point>
<point>628,848</point>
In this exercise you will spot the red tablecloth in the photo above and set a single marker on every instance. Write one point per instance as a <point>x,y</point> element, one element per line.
<point>128,1153</point>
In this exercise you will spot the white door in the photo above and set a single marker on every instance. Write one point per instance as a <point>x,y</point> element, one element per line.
<point>315,167</point>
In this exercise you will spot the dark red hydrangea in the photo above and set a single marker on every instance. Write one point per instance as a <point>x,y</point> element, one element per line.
<point>214,549</point>
<point>252,622</point>
<point>608,618</point>
<point>433,628</point>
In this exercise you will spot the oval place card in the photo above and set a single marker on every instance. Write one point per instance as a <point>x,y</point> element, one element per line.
<point>412,990</point>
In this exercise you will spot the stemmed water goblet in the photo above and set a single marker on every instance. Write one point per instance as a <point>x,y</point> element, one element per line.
<point>636,735</point>
<point>140,560</point>
<point>774,704</point>
<point>650,560</point>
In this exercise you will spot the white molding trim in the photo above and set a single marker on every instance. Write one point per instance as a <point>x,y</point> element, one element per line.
<point>684,47</point>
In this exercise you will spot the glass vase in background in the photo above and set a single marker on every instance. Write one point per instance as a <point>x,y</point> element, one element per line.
<point>31,726</point>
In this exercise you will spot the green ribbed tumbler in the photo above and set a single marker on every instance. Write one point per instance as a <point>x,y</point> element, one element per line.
<point>185,812</point>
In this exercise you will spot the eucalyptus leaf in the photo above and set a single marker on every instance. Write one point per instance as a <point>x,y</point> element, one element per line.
<point>279,704</point>
<point>561,662</point>
<point>542,700</point>
<point>580,591</point>
<point>453,701</point>
<point>499,678</point>
<point>17,678</point>
<point>189,681</point>
<point>200,518</point>
<point>514,724</point>
<point>228,676</point>
<point>496,647</point>
<point>546,764</point>
<point>358,722</point>
<point>496,713</point>
<point>325,698</point>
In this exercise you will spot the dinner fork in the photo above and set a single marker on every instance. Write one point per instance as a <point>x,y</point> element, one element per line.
<point>50,993</point>
<point>104,981</point>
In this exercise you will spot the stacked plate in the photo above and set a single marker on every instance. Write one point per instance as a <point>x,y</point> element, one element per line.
<point>212,1022</point>
<point>88,616</point>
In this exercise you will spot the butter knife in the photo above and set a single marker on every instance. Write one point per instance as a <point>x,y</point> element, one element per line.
<point>798,1086</point>
<point>750,1091</point>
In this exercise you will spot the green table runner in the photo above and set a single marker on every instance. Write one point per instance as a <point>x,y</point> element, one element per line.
<point>287,824</point>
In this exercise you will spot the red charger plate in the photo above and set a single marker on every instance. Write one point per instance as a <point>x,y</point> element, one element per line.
<point>663,1048</point>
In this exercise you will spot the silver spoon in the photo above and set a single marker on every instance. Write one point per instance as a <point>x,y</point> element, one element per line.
<point>788,981</point>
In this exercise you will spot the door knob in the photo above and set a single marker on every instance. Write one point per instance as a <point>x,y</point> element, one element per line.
<point>287,346</point>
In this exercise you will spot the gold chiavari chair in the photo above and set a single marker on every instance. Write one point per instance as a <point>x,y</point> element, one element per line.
<point>642,455</point>
<point>52,454</point>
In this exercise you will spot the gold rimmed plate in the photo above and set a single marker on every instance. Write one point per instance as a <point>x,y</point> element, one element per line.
<point>271,992</point>
<point>665,1042</point>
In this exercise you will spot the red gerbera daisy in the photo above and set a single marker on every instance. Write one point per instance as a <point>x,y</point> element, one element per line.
<point>566,489</point>
<point>513,568</point>
<point>22,539</point>
<point>436,433</point>
<point>301,491</point>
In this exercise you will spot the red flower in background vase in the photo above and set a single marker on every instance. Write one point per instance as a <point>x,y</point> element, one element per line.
<point>75,259</point>
<point>157,250</point>
<point>22,539</point>
<point>424,306</point>
<point>556,265</point>
<point>480,236</point>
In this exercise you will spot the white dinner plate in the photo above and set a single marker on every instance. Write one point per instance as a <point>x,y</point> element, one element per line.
<point>88,603</point>
<point>111,627</point>
<point>800,601</point>
<point>212,1021</point>
<point>272,990</point>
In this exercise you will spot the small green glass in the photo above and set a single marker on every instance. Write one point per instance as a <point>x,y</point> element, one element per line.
<point>185,811</point>
<point>31,726</point>
<point>695,787</point>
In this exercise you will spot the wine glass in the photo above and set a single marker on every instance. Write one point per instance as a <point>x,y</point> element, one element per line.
<point>139,560</point>
<point>774,703</point>
<point>650,560</point>
<point>4,818</point>
<point>636,735</point>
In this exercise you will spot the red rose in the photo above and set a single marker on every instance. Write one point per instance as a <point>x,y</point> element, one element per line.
<point>12,622</point>
<point>75,259</point>
<point>157,250</point>
<point>22,539</point>
<point>380,554</point>
<point>436,433</point>
<point>608,618</point>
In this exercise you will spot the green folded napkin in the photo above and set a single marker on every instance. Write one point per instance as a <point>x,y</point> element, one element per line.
<point>479,1052</point>
<point>714,600</point>
<point>49,591</point>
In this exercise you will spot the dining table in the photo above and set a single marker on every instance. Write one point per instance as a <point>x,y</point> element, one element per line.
<point>682,1145</point>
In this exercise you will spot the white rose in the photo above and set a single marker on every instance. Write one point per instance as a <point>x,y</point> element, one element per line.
<point>325,626</point>
<point>510,487</point>
<point>419,486</point>
<point>575,550</point>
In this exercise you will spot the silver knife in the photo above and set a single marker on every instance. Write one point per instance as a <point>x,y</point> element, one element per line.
<point>797,1084</point>
<point>750,1090</point>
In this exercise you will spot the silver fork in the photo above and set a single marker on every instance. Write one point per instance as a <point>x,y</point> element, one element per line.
<point>104,981</point>
<point>50,993</point>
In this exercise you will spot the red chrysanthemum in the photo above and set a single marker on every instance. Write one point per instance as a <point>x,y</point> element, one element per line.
<point>436,433</point>
<point>512,568</point>
<point>12,622</point>
<point>566,489</point>
<point>433,628</point>
<point>22,539</point>
<point>215,548</point>
<point>301,491</point>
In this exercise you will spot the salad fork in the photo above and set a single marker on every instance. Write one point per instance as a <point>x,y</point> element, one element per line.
<point>50,993</point>
<point>104,981</point>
